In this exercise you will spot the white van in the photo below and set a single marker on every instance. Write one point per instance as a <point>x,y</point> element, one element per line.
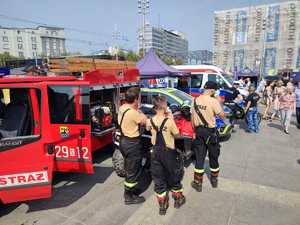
<point>200,74</point>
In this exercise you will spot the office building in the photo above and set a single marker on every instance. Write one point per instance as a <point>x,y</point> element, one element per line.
<point>170,43</point>
<point>32,42</point>
<point>200,57</point>
<point>264,38</point>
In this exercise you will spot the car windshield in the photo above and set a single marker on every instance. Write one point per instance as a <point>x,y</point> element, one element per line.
<point>187,99</point>
<point>228,78</point>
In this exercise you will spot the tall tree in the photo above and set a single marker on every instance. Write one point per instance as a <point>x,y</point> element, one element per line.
<point>4,57</point>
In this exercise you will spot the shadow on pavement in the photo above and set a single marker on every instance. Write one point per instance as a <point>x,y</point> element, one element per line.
<point>69,187</point>
<point>242,124</point>
<point>273,125</point>
<point>6,209</point>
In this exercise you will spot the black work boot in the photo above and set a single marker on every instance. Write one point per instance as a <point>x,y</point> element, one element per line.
<point>197,183</point>
<point>131,198</point>
<point>179,199</point>
<point>214,180</point>
<point>163,203</point>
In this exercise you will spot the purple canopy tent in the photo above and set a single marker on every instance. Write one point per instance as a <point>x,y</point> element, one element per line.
<point>151,66</point>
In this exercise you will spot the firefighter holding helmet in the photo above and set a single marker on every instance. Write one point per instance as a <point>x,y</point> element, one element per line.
<point>129,120</point>
<point>204,110</point>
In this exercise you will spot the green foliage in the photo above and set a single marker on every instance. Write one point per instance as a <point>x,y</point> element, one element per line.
<point>4,57</point>
<point>121,54</point>
<point>132,56</point>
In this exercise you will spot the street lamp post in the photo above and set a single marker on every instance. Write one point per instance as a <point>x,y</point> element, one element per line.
<point>262,58</point>
<point>143,6</point>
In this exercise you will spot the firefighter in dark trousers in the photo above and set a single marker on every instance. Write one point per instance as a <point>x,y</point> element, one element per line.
<point>204,110</point>
<point>129,120</point>
<point>166,163</point>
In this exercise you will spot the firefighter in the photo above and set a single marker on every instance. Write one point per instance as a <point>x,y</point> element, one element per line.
<point>129,120</point>
<point>166,163</point>
<point>204,110</point>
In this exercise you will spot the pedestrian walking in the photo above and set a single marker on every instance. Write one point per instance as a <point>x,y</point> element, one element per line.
<point>297,93</point>
<point>287,105</point>
<point>252,111</point>
<point>278,91</point>
<point>285,79</point>
<point>269,99</point>
<point>129,120</point>
<point>204,110</point>
<point>166,163</point>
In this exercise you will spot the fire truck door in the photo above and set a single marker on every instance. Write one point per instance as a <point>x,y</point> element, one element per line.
<point>70,126</point>
<point>26,161</point>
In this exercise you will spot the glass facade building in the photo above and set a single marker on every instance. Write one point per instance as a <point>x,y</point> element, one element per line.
<point>166,42</point>
<point>264,38</point>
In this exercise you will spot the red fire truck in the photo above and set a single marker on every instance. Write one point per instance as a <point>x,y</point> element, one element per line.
<point>54,123</point>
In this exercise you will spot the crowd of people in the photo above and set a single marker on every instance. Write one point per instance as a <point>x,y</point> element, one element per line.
<point>282,101</point>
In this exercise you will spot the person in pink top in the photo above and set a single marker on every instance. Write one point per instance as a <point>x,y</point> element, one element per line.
<point>287,105</point>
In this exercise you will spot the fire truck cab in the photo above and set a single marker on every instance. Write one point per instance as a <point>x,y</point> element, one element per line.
<point>54,123</point>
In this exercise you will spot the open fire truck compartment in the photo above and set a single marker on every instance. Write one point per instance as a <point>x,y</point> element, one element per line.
<point>54,123</point>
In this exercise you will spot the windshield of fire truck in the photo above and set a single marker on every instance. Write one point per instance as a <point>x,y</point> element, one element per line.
<point>69,104</point>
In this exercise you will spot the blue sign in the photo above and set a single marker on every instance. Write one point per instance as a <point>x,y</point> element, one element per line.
<point>273,23</point>
<point>241,27</point>
<point>270,61</point>
<point>238,61</point>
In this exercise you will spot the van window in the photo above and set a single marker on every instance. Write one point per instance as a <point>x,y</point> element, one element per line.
<point>19,107</point>
<point>217,79</point>
<point>212,77</point>
<point>144,98</point>
<point>196,80</point>
<point>69,104</point>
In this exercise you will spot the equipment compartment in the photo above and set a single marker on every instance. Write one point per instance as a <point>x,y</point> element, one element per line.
<point>103,111</point>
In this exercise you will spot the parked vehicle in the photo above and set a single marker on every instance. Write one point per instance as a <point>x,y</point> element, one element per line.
<point>46,127</point>
<point>200,74</point>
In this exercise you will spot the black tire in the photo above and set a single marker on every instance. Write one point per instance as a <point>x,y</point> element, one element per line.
<point>118,163</point>
<point>225,138</point>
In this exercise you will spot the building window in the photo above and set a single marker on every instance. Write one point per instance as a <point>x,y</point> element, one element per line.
<point>18,32</point>
<point>54,33</point>
<point>21,54</point>
<point>34,54</point>
<point>32,32</point>
<point>19,39</point>
<point>34,46</point>
<point>5,39</point>
<point>20,46</point>
<point>5,46</point>
<point>33,39</point>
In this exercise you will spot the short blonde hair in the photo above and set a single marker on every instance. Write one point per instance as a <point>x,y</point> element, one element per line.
<point>159,102</point>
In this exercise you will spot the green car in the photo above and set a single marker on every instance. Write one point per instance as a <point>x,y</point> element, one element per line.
<point>174,97</point>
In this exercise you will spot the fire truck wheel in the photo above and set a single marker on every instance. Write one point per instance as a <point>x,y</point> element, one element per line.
<point>118,163</point>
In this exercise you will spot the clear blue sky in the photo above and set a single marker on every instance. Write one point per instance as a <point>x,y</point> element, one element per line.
<point>193,17</point>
